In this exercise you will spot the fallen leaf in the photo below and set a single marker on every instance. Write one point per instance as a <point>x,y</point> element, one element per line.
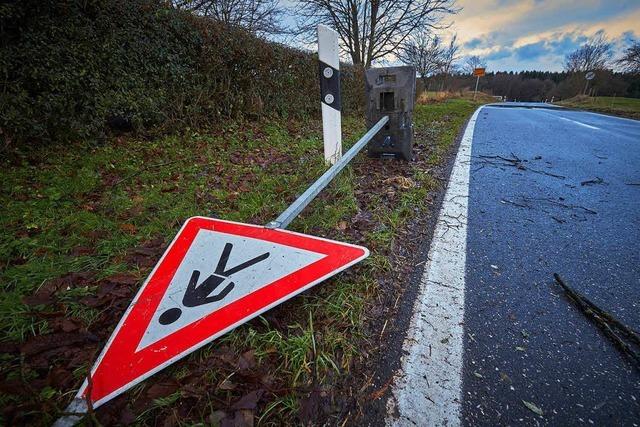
<point>128,228</point>
<point>310,408</point>
<point>342,225</point>
<point>243,418</point>
<point>227,385</point>
<point>123,279</point>
<point>161,390</point>
<point>38,299</point>
<point>127,417</point>
<point>533,408</point>
<point>478,375</point>
<point>216,417</point>
<point>69,325</point>
<point>81,250</point>
<point>247,360</point>
<point>41,343</point>
<point>248,401</point>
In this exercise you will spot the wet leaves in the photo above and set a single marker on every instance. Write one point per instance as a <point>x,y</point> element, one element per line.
<point>249,400</point>
<point>41,343</point>
<point>234,382</point>
<point>162,389</point>
<point>122,279</point>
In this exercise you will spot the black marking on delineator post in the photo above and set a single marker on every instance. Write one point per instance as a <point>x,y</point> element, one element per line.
<point>196,295</point>
<point>330,85</point>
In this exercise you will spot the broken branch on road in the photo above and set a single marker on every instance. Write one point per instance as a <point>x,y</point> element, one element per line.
<point>514,161</point>
<point>527,202</point>
<point>595,181</point>
<point>622,336</point>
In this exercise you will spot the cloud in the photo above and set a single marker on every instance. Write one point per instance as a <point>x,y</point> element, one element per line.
<point>473,43</point>
<point>531,51</point>
<point>499,54</point>
<point>538,34</point>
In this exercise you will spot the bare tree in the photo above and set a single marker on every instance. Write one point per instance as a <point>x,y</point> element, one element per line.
<point>372,29</point>
<point>630,61</point>
<point>424,52</point>
<point>593,55</point>
<point>447,60</point>
<point>472,63</point>
<point>261,17</point>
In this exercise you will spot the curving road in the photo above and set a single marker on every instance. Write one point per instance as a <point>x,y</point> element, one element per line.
<point>535,190</point>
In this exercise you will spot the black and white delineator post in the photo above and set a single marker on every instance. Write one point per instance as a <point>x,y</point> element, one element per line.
<point>330,93</point>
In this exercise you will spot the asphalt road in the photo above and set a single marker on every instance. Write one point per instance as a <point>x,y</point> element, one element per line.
<point>548,191</point>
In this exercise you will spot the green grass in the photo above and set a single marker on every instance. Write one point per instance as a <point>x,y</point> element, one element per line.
<point>85,207</point>
<point>626,107</point>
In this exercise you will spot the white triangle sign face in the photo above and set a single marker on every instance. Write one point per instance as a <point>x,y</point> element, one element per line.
<point>214,276</point>
<point>188,300</point>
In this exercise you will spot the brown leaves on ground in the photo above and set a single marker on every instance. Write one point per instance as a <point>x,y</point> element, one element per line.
<point>52,342</point>
<point>128,228</point>
<point>47,293</point>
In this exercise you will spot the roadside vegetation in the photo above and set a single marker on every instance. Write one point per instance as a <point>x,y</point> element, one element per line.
<point>625,107</point>
<point>120,120</point>
<point>82,226</point>
<point>427,97</point>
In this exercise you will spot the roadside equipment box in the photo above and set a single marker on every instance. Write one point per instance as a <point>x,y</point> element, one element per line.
<point>391,92</point>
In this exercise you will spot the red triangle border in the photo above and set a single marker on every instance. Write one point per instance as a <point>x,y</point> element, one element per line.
<point>120,367</point>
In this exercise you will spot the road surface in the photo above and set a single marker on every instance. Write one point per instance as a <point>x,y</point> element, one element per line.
<point>493,341</point>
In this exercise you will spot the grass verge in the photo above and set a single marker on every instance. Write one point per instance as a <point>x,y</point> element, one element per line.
<point>82,226</point>
<point>617,106</point>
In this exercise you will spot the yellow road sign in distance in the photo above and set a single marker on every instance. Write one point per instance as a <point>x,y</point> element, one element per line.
<point>479,72</point>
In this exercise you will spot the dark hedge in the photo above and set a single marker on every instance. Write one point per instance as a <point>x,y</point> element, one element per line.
<point>70,67</point>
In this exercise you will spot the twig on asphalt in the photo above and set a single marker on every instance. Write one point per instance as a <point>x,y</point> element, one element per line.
<point>510,202</point>
<point>564,205</point>
<point>516,162</point>
<point>610,326</point>
<point>595,181</point>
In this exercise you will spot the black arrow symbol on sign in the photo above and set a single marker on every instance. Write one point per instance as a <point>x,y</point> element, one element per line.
<point>196,295</point>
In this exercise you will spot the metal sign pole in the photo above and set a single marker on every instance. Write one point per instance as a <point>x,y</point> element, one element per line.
<point>476,91</point>
<point>301,202</point>
<point>328,55</point>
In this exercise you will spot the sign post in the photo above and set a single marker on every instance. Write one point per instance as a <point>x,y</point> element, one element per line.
<point>328,55</point>
<point>478,72</point>
<point>588,77</point>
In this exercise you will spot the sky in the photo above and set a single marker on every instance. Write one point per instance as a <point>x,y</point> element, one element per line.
<point>517,35</point>
<point>514,35</point>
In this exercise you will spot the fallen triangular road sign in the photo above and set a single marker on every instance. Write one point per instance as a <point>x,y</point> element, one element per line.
<point>214,276</point>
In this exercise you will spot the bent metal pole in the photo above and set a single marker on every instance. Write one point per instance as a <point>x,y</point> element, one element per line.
<point>301,202</point>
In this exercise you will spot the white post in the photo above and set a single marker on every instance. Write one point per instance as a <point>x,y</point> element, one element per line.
<point>330,93</point>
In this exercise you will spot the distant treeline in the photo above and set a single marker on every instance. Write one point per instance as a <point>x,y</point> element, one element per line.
<point>73,69</point>
<point>541,85</point>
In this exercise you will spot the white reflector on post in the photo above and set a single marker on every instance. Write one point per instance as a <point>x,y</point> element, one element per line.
<point>330,93</point>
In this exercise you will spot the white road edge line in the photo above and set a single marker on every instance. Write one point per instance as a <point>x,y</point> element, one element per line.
<point>427,390</point>
<point>569,120</point>
<point>579,123</point>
